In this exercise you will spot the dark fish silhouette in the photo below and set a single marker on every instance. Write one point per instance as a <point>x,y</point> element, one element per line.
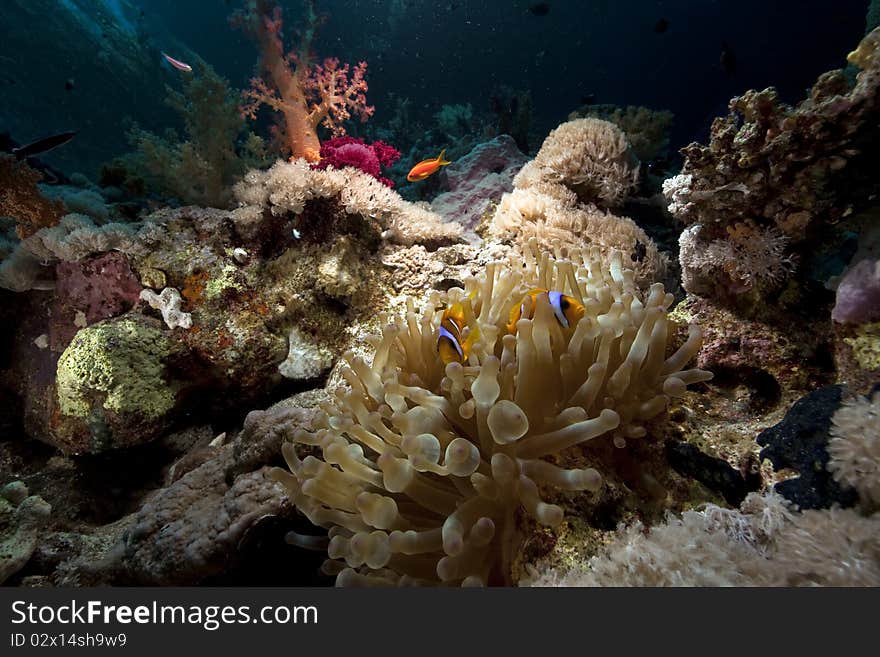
<point>43,145</point>
<point>661,26</point>
<point>540,9</point>
<point>727,59</point>
<point>588,99</point>
<point>69,84</point>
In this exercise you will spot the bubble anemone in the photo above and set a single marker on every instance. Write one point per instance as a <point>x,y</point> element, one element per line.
<point>425,467</point>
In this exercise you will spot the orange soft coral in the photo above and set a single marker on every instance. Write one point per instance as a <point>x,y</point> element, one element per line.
<point>306,95</point>
<point>20,198</point>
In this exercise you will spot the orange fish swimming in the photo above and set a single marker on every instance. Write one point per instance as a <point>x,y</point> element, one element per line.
<point>426,167</point>
<point>452,344</point>
<point>567,310</point>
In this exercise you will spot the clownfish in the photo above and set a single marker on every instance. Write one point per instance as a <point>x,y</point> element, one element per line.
<point>451,345</point>
<point>426,167</point>
<point>568,310</point>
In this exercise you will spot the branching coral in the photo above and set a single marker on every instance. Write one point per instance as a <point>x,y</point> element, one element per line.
<point>425,467</point>
<point>217,151</point>
<point>855,447</point>
<point>306,94</point>
<point>777,169</point>
<point>21,199</point>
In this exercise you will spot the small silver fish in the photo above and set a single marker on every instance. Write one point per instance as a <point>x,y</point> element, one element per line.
<point>176,63</point>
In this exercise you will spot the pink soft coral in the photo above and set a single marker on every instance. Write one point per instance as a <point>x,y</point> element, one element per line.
<point>342,152</point>
<point>307,95</point>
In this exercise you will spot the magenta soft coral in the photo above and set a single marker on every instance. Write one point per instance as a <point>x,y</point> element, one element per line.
<point>342,152</point>
<point>307,95</point>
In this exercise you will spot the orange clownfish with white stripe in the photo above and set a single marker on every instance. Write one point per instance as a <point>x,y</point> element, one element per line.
<point>567,310</point>
<point>426,167</point>
<point>452,343</point>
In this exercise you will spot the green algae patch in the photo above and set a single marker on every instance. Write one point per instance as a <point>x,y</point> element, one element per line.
<point>866,346</point>
<point>120,362</point>
<point>225,280</point>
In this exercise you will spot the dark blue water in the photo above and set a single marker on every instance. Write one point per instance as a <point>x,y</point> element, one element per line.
<point>440,52</point>
<point>447,52</point>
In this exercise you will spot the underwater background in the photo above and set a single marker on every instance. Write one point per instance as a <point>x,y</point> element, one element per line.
<point>430,54</point>
<point>396,292</point>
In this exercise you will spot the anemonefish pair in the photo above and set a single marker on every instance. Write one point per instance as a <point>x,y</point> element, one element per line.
<point>454,346</point>
<point>426,167</point>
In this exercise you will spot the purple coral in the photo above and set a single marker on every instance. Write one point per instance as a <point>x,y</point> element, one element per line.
<point>342,152</point>
<point>858,295</point>
<point>98,288</point>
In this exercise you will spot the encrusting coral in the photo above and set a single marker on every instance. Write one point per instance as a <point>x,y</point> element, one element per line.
<point>20,198</point>
<point>425,467</point>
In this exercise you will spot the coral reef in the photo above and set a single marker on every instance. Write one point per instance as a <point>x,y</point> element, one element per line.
<point>20,198</point>
<point>306,94</point>
<point>769,185</point>
<point>21,518</point>
<point>425,466</point>
<point>216,152</point>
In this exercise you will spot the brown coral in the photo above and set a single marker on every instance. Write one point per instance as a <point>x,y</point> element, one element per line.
<point>777,169</point>
<point>21,199</point>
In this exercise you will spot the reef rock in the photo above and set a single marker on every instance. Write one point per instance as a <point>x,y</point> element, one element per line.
<point>114,387</point>
<point>800,442</point>
<point>190,530</point>
<point>478,179</point>
<point>21,518</point>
